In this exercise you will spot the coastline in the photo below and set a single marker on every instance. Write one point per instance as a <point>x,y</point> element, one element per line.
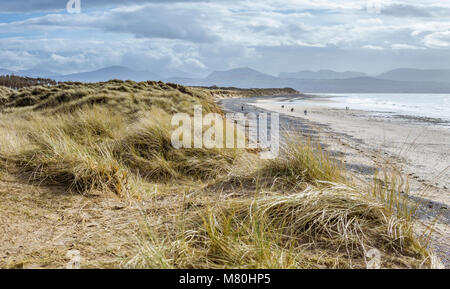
<point>99,201</point>
<point>420,145</point>
<point>365,141</point>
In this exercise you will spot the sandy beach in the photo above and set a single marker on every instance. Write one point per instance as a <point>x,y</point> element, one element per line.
<point>366,141</point>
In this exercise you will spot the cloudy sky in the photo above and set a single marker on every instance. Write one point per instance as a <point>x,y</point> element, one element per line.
<point>200,36</point>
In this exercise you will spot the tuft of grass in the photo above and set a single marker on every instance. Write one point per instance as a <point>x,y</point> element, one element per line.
<point>5,92</point>
<point>290,231</point>
<point>56,154</point>
<point>315,218</point>
<point>301,161</point>
<point>332,227</point>
<point>147,149</point>
<point>393,191</point>
<point>88,136</point>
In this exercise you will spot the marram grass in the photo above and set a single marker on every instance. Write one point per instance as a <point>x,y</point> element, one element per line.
<point>217,208</point>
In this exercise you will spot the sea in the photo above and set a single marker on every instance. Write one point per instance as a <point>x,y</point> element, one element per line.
<point>435,106</point>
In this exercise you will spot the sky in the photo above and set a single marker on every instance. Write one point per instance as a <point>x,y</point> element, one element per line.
<point>200,36</point>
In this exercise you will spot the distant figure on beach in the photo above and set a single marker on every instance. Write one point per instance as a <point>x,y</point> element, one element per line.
<point>305,112</point>
<point>282,106</point>
<point>242,108</point>
<point>292,109</point>
<point>347,108</point>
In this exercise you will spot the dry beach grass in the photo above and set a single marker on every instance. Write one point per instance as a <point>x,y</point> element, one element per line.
<point>91,167</point>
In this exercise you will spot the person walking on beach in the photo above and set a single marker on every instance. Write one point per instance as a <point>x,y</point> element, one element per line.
<point>242,108</point>
<point>292,109</point>
<point>305,112</point>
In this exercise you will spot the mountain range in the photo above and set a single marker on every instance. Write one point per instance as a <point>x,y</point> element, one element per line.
<point>108,73</point>
<point>321,74</point>
<point>343,82</point>
<point>408,74</point>
<point>394,81</point>
<point>104,74</point>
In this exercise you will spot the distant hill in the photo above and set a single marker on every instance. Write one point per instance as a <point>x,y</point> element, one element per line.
<point>37,73</point>
<point>108,73</point>
<point>241,77</point>
<point>321,74</point>
<point>409,74</point>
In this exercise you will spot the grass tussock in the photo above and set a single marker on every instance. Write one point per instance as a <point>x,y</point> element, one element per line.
<point>302,161</point>
<point>95,150</point>
<point>312,218</point>
<point>89,137</point>
<point>4,93</point>
<point>333,227</point>
<point>71,150</point>
<point>148,150</point>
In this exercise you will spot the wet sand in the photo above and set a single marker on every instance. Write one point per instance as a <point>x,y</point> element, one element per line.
<point>365,141</point>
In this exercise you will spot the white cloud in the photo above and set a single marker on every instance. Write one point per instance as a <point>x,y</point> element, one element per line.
<point>405,46</point>
<point>205,35</point>
<point>373,47</point>
<point>438,39</point>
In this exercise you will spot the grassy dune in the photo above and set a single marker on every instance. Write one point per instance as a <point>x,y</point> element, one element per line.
<point>226,92</point>
<point>4,93</point>
<point>217,208</point>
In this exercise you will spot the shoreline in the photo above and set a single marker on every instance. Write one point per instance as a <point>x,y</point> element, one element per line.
<point>325,101</point>
<point>365,142</point>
